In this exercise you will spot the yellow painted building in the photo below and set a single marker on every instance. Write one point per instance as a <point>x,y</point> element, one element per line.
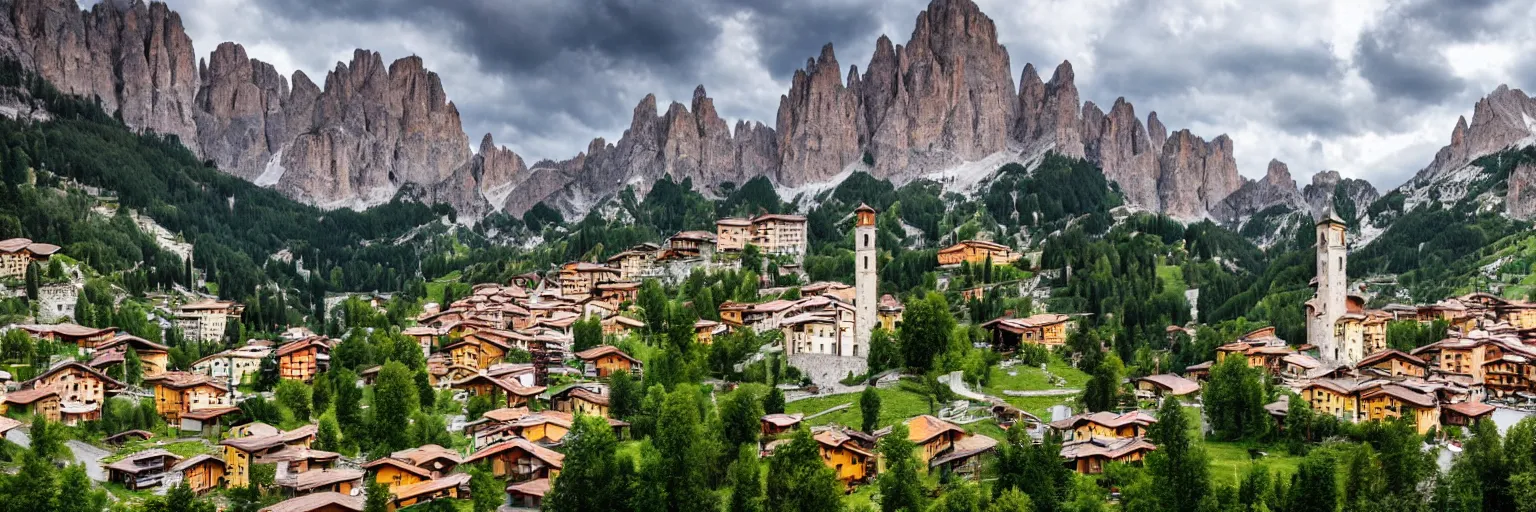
<point>976,252</point>
<point>1333,398</point>
<point>1393,401</point>
<point>843,455</point>
<point>240,452</point>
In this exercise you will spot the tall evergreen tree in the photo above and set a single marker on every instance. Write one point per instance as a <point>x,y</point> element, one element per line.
<point>394,399</point>
<point>1314,488</point>
<point>746,482</point>
<point>593,478</point>
<point>869,409</point>
<point>901,486</point>
<point>1179,467</point>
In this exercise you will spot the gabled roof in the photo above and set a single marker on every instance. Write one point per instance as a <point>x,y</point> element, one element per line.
<point>129,464</point>
<point>29,396</point>
<point>511,386</point>
<point>207,305</point>
<point>506,414</point>
<point>991,246</point>
<point>1019,325</point>
<point>66,330</point>
<point>140,345</point>
<point>400,464</point>
<point>1402,394</point>
<point>318,501</point>
<point>257,443</point>
<point>1390,354</point>
<point>965,448</point>
<point>318,342</point>
<point>553,458</point>
<point>316,478</point>
<point>536,487</point>
<point>584,394</point>
<point>428,453</point>
<point>108,382</point>
<point>1105,418</point>
<point>1175,384</point>
<point>603,350</point>
<point>836,439</point>
<point>923,428</point>
<point>782,420</point>
<point>1471,409</point>
<point>1109,448</point>
<point>195,460</point>
<point>6,424</point>
<point>186,380</point>
<point>428,487</point>
<point>124,435</point>
<point>208,414</point>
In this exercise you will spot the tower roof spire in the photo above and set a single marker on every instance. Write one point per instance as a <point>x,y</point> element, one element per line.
<point>1329,216</point>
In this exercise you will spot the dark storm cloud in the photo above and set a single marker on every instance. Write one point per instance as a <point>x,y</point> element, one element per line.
<point>1400,54</point>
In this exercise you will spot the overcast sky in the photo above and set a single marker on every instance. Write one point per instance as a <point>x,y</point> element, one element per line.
<point>1367,87</point>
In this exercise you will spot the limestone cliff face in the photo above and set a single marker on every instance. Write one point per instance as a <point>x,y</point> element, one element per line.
<point>1196,175</point>
<point>946,96</point>
<point>1050,112</point>
<point>1520,200</point>
<point>1126,152</point>
<point>817,123</point>
<point>1277,188</point>
<point>135,57</point>
<point>1326,185</point>
<point>1499,120</point>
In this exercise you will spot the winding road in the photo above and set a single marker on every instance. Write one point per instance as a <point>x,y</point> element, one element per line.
<point>82,452</point>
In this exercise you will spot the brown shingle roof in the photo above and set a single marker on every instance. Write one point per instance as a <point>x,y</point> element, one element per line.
<point>603,350</point>
<point>1175,384</point>
<point>428,487</point>
<point>553,458</point>
<point>317,501</point>
<point>923,428</point>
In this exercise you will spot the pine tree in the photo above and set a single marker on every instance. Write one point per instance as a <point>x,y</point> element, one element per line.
<point>394,399</point>
<point>746,482</point>
<point>901,487</point>
<point>33,281</point>
<point>869,409</point>
<point>1179,467</point>
<point>133,368</point>
<point>593,477</point>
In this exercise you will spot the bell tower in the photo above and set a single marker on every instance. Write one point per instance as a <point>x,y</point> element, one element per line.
<point>865,281</point>
<point>1327,305</point>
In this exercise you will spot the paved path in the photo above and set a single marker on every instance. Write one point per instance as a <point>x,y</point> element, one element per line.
<point>82,452</point>
<point>831,410</point>
<point>1043,392</point>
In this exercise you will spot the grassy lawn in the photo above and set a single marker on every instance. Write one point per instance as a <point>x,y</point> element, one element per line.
<point>1172,277</point>
<point>182,449</point>
<point>435,287</point>
<point>897,404</point>
<point>1230,461</point>
<point>1030,378</point>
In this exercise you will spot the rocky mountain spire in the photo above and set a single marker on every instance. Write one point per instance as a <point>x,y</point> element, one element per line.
<point>816,123</point>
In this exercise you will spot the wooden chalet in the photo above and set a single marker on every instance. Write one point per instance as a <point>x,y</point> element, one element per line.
<point>178,393</point>
<point>86,339</point>
<point>529,494</point>
<point>603,360</point>
<point>977,252</point>
<point>851,462</point>
<point>44,402</point>
<point>1104,425</point>
<point>202,473</point>
<point>519,460</point>
<point>302,360</point>
<point>779,423</point>
<point>1089,456</point>
<point>1049,329</point>
<point>240,452</point>
<point>1162,385</point>
<point>582,399</point>
<point>154,356</point>
<point>432,457</point>
<point>517,394</point>
<point>933,436</point>
<point>1395,363</point>
<point>147,468</point>
<point>1465,414</point>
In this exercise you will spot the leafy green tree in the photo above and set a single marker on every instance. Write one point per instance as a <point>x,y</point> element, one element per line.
<point>257,408</point>
<point>798,481</point>
<point>78,494</point>
<point>322,393</point>
<point>1314,488</point>
<point>924,333</point>
<point>869,409</point>
<point>1103,390</point>
<point>587,333</point>
<point>1034,469</point>
<point>746,482</point>
<point>1481,470</point>
<point>623,395</point>
<point>328,437</point>
<point>16,346</point>
<point>295,396</point>
<point>1234,400</point>
<point>35,485</point>
<point>378,497</point>
<point>486,491</point>
<point>901,486</point>
<point>394,399</point>
<point>684,458</point>
<point>1012,501</point>
<point>652,300</point>
<point>593,477</point>
<point>884,354</point>
<point>773,402</point>
<point>1179,467</point>
<point>429,428</point>
<point>268,376</point>
<point>349,399</point>
<point>47,438</point>
<point>33,281</point>
<point>179,499</point>
<point>740,414</point>
<point>961,496</point>
<point>425,393</point>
